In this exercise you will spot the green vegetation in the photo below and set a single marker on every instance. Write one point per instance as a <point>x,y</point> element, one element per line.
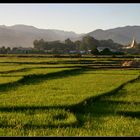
<point>83,46</point>
<point>78,47</point>
<point>42,96</point>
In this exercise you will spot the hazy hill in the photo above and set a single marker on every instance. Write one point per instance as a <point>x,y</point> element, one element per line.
<point>122,35</point>
<point>23,35</point>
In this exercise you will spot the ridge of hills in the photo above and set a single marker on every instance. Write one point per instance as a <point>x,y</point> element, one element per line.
<point>24,35</point>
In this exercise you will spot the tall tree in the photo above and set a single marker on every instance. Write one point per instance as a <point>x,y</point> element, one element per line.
<point>88,43</point>
<point>69,44</point>
<point>77,44</point>
<point>36,44</point>
<point>106,51</point>
<point>95,51</point>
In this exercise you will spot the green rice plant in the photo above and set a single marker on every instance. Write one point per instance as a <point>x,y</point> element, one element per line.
<point>68,98</point>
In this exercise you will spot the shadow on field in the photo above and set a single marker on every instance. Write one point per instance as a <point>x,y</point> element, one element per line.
<point>31,68</point>
<point>13,71</point>
<point>70,62</point>
<point>98,106</point>
<point>46,67</point>
<point>38,78</point>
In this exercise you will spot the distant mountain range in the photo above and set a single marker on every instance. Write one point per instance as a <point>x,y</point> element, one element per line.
<point>122,35</point>
<point>24,35</point>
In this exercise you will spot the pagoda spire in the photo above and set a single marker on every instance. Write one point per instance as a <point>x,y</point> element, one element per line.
<point>134,43</point>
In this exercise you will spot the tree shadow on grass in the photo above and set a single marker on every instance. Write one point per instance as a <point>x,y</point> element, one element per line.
<point>43,67</point>
<point>98,106</point>
<point>48,67</point>
<point>76,61</point>
<point>38,78</point>
<point>102,105</point>
<point>89,67</point>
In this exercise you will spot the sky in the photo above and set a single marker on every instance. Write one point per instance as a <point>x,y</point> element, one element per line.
<point>80,18</point>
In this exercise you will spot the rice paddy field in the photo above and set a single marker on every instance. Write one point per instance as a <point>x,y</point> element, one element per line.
<point>42,96</point>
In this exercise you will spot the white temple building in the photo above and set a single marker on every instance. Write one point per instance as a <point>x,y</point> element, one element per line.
<point>133,44</point>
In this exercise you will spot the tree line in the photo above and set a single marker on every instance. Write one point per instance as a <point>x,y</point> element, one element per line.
<point>86,45</point>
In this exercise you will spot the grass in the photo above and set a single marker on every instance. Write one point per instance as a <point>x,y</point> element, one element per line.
<point>68,98</point>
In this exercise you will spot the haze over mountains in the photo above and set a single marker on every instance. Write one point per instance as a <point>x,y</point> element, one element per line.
<point>24,35</point>
<point>122,35</point>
